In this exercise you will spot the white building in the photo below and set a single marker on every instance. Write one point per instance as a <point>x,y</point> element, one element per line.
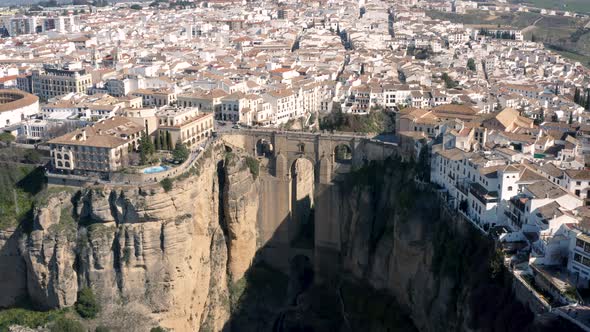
<point>16,106</point>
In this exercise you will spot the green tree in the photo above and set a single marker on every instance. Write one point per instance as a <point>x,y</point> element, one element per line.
<point>135,7</point>
<point>180,152</point>
<point>163,143</point>
<point>577,96</point>
<point>169,145</point>
<point>571,119</point>
<point>146,148</point>
<point>7,137</point>
<point>157,141</point>
<point>33,156</point>
<point>63,324</point>
<point>166,183</point>
<point>87,305</point>
<point>471,64</point>
<point>102,328</point>
<point>158,329</point>
<point>449,82</point>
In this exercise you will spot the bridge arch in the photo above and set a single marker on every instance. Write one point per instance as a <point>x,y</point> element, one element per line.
<point>342,154</point>
<point>263,147</point>
<point>302,188</point>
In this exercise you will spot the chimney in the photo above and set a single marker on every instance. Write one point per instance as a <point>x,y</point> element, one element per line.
<point>83,134</point>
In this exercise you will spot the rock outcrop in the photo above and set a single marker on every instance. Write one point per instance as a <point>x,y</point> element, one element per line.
<point>240,211</point>
<point>167,253</point>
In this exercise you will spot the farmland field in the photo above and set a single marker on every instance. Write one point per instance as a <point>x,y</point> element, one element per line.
<point>580,6</point>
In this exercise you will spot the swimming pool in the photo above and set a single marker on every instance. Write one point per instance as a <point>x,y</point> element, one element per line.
<point>155,169</point>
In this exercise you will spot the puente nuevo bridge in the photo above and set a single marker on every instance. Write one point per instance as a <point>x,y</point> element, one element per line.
<point>298,201</point>
<point>297,191</point>
<point>329,153</point>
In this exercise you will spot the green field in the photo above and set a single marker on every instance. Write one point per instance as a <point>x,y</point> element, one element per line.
<point>580,6</point>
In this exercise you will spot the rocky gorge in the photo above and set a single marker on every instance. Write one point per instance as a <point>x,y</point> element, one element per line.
<point>191,258</point>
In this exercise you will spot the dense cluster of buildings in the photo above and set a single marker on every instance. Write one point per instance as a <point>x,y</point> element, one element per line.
<point>506,122</point>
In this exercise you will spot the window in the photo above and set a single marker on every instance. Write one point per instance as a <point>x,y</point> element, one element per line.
<point>509,188</point>
<point>301,147</point>
<point>578,192</point>
<point>579,243</point>
<point>578,258</point>
<point>578,183</point>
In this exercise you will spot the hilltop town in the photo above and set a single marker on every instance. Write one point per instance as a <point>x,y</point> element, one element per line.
<point>134,92</point>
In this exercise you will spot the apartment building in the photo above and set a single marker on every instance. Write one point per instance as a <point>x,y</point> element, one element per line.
<point>21,25</point>
<point>577,182</point>
<point>54,81</point>
<point>102,147</point>
<point>579,252</point>
<point>187,125</point>
<point>231,107</point>
<point>284,104</point>
<point>156,97</point>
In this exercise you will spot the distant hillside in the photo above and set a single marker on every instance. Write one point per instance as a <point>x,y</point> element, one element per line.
<point>566,35</point>
<point>580,6</point>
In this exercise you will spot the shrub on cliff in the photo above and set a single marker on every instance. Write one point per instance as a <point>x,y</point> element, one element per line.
<point>254,166</point>
<point>63,324</point>
<point>166,184</point>
<point>28,318</point>
<point>158,329</point>
<point>87,306</point>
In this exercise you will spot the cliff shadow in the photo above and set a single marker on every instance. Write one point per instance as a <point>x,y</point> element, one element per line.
<point>379,212</point>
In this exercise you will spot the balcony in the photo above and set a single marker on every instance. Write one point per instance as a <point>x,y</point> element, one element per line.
<point>482,195</point>
<point>463,186</point>
<point>519,203</point>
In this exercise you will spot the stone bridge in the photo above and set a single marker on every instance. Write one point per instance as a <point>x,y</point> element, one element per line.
<point>298,192</point>
<point>329,153</point>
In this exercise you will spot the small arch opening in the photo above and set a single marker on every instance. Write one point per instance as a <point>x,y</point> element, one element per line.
<point>342,154</point>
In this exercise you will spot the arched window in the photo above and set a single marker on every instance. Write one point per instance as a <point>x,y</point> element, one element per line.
<point>59,156</point>
<point>67,164</point>
<point>59,164</point>
<point>66,156</point>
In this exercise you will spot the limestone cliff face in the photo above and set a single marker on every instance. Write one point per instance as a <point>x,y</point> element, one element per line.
<point>444,273</point>
<point>163,255</point>
<point>239,217</point>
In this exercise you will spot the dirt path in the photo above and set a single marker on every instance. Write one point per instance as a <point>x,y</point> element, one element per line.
<point>532,26</point>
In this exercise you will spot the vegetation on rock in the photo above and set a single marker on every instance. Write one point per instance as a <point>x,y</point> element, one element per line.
<point>254,166</point>
<point>377,121</point>
<point>166,183</point>
<point>64,324</point>
<point>20,184</point>
<point>87,305</point>
<point>28,318</point>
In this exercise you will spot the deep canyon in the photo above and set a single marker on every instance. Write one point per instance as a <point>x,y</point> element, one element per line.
<point>233,247</point>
